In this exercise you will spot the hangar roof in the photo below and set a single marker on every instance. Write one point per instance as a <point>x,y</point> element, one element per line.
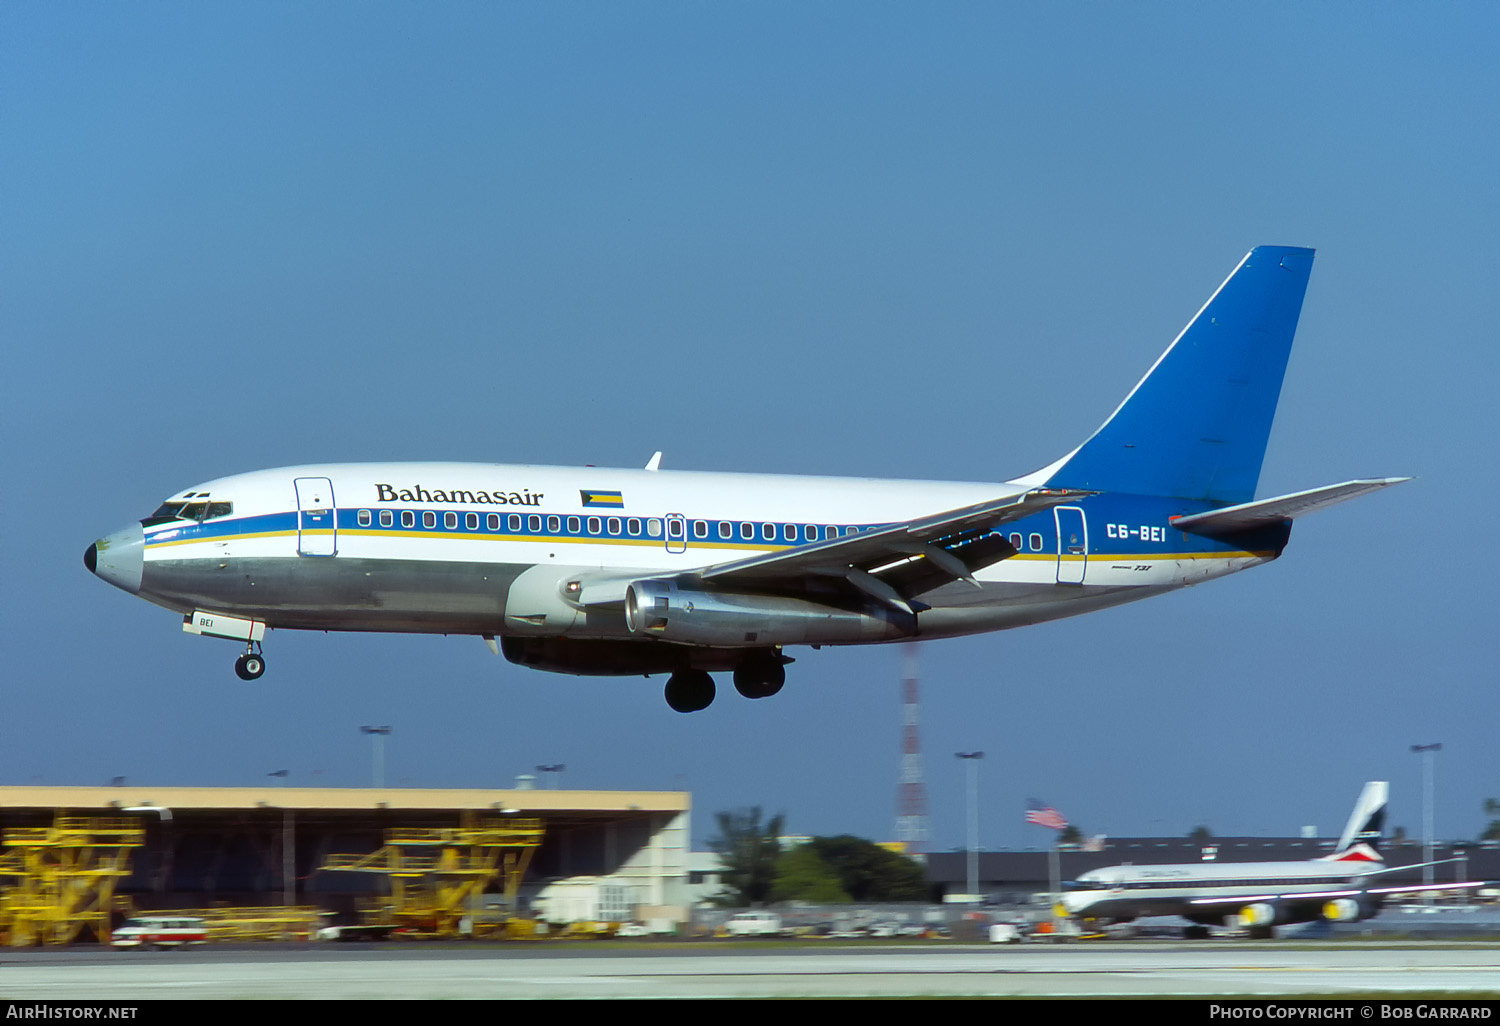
<point>538,802</point>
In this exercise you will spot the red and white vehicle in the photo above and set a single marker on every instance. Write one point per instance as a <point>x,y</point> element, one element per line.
<point>160,932</point>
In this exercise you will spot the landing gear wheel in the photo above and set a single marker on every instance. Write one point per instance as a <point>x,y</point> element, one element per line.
<point>250,666</point>
<point>690,690</point>
<point>759,678</point>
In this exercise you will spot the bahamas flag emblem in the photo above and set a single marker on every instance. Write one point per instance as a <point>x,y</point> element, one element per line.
<point>613,500</point>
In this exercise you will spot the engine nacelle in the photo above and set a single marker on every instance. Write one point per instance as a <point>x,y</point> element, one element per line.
<point>1345,910</point>
<point>662,608</point>
<point>1259,914</point>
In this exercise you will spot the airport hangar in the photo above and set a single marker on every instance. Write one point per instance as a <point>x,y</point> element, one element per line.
<point>601,854</point>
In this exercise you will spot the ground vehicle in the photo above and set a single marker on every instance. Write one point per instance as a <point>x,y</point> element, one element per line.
<point>1005,933</point>
<point>160,932</point>
<point>753,924</point>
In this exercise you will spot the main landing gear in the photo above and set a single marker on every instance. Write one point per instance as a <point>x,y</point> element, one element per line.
<point>250,665</point>
<point>759,675</point>
<point>690,690</point>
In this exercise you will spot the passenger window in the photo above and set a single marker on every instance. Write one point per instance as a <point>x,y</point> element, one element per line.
<point>492,521</point>
<point>811,533</point>
<point>408,518</point>
<point>726,530</point>
<point>768,532</point>
<point>450,520</point>
<point>554,525</point>
<point>574,525</point>
<point>1015,542</point>
<point>700,529</point>
<point>386,519</point>
<point>789,532</point>
<point>364,518</point>
<point>534,524</point>
<point>613,524</point>
<point>471,521</point>
<point>513,522</point>
<point>429,519</point>
<point>633,526</point>
<point>653,528</point>
<point>1036,543</point>
<point>747,532</point>
<point>593,525</point>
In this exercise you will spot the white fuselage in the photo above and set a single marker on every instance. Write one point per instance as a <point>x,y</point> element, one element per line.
<point>444,547</point>
<point>1209,890</point>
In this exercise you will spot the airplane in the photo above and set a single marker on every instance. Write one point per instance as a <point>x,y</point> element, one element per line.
<point>594,571</point>
<point>1258,896</point>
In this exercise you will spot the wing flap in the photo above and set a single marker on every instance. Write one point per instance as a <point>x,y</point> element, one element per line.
<point>938,543</point>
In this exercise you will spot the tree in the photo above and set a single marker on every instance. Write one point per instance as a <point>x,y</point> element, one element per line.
<point>1070,834</point>
<point>802,875</point>
<point>1200,835</point>
<point>748,851</point>
<point>1491,832</point>
<point>869,872</point>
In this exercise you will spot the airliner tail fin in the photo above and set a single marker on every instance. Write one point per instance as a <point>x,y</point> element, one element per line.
<point>1196,425</point>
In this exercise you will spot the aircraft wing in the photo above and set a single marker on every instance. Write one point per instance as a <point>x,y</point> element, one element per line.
<point>1284,507</point>
<point>898,561</point>
<point>1340,892</point>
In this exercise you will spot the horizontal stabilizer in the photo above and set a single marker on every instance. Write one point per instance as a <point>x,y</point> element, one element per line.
<point>1250,515</point>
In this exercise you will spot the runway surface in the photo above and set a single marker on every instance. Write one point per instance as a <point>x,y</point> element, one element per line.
<point>720,971</point>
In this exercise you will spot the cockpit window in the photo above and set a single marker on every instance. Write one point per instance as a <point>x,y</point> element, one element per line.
<point>178,509</point>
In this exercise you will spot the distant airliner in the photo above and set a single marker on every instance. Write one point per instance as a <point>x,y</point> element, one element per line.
<point>622,572</point>
<point>1258,896</point>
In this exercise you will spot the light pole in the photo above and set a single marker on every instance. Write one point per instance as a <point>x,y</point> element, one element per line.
<point>1427,752</point>
<point>972,758</point>
<point>377,739</point>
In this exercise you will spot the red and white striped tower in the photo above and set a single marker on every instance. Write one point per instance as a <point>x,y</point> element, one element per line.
<point>911,793</point>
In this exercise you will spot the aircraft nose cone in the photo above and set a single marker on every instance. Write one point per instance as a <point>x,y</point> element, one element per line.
<point>119,558</point>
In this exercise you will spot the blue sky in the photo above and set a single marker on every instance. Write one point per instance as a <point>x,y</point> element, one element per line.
<point>935,240</point>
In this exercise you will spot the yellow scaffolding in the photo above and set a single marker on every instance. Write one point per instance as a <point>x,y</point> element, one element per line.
<point>66,877</point>
<point>436,876</point>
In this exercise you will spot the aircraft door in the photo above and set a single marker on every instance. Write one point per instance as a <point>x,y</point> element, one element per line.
<point>317,517</point>
<point>676,532</point>
<point>1072,544</point>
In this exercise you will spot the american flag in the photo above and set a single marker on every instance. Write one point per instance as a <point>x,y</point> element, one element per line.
<point>1044,815</point>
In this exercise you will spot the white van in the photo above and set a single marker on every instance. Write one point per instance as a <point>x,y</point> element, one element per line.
<point>753,924</point>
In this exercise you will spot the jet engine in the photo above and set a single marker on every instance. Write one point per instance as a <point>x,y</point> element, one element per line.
<point>665,609</point>
<point>1259,914</point>
<point>1345,910</point>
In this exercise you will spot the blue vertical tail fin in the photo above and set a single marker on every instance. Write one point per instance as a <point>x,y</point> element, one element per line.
<point>1196,425</point>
